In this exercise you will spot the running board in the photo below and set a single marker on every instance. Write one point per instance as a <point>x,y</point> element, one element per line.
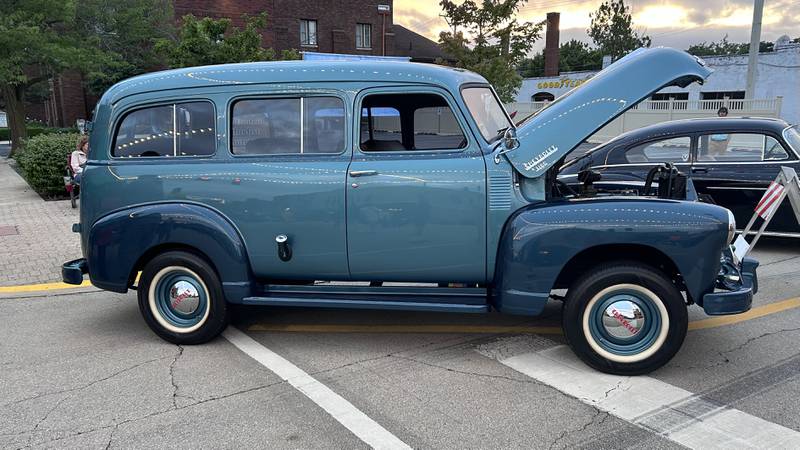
<point>466,300</point>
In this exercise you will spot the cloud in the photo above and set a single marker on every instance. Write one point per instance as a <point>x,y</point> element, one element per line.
<point>674,23</point>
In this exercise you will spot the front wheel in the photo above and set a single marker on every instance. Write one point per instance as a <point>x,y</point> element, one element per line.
<point>181,299</point>
<point>625,319</point>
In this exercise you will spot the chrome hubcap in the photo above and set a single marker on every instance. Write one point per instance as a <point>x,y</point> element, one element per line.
<point>184,297</point>
<point>623,319</point>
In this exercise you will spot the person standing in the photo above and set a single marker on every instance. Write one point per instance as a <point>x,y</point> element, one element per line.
<point>78,158</point>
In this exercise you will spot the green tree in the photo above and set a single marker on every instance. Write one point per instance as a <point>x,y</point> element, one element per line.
<point>573,56</point>
<point>105,40</point>
<point>37,40</point>
<point>126,30</point>
<point>486,37</point>
<point>611,30</point>
<point>207,41</point>
<point>724,47</point>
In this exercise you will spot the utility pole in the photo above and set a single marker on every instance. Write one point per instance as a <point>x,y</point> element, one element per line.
<point>755,43</point>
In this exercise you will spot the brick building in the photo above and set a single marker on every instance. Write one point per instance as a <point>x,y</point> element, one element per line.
<point>361,27</point>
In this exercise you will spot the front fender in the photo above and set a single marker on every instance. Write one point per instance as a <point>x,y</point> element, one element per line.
<point>118,241</point>
<point>540,240</point>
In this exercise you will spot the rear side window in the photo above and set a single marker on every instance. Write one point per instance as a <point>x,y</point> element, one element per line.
<point>675,150</point>
<point>179,129</point>
<point>279,126</point>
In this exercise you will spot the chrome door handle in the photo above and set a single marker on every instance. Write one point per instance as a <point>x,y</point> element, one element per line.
<point>363,173</point>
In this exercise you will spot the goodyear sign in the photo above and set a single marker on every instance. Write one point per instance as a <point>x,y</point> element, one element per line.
<point>562,83</point>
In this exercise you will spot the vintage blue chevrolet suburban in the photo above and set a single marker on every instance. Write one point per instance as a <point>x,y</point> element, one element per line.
<point>255,183</point>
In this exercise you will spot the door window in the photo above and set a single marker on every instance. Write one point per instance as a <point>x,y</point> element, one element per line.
<point>280,126</point>
<point>740,147</point>
<point>407,122</point>
<point>675,150</point>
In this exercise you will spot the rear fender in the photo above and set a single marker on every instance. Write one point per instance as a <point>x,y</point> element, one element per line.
<point>121,241</point>
<point>539,241</point>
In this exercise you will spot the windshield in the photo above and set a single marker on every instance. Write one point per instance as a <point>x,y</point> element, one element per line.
<point>792,136</point>
<point>488,113</point>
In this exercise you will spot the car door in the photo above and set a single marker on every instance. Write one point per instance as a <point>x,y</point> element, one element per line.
<point>734,170</point>
<point>287,169</point>
<point>416,190</point>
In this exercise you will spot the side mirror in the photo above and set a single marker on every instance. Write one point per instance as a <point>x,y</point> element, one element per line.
<point>509,143</point>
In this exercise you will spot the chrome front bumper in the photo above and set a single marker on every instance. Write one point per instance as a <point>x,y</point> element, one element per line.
<point>734,298</point>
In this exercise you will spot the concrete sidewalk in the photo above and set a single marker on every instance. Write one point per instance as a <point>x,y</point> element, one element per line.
<point>35,235</point>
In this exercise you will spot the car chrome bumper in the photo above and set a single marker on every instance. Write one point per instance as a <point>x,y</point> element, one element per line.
<point>72,271</point>
<point>738,300</point>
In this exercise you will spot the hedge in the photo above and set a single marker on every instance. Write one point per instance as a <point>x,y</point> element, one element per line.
<point>35,130</point>
<point>43,161</point>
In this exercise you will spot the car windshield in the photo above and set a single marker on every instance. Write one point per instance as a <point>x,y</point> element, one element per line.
<point>488,113</point>
<point>792,136</point>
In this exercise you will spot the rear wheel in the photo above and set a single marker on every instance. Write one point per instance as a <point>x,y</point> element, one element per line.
<point>181,299</point>
<point>625,319</point>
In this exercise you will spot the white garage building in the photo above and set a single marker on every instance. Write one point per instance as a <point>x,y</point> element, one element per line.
<point>777,91</point>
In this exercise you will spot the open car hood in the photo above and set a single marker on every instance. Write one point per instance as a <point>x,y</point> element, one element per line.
<point>559,127</point>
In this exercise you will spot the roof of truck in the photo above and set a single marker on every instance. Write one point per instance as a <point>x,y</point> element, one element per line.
<point>290,72</point>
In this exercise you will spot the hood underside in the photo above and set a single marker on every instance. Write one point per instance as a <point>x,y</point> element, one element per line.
<point>559,127</point>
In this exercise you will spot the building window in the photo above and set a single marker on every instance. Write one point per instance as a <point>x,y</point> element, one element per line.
<point>363,35</point>
<point>543,97</point>
<point>308,32</point>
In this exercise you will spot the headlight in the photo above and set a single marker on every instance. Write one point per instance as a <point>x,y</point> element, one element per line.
<point>731,226</point>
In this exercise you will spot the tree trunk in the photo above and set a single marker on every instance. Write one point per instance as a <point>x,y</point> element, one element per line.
<point>14,95</point>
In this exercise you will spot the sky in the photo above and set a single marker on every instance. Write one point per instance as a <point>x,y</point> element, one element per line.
<point>670,23</point>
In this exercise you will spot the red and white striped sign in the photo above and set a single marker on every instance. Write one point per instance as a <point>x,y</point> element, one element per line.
<point>769,202</point>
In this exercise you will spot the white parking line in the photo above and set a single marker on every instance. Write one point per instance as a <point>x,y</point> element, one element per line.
<point>340,409</point>
<point>662,408</point>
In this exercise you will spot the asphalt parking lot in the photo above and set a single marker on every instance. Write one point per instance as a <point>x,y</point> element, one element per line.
<point>80,369</point>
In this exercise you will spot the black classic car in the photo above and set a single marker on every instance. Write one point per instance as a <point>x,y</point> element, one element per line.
<point>730,161</point>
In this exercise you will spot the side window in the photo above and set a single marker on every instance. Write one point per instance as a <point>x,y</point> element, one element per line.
<point>195,125</point>
<point>436,127</point>
<point>180,129</point>
<point>380,129</point>
<point>675,150</point>
<point>323,125</point>
<point>274,126</point>
<point>404,122</point>
<point>740,147</point>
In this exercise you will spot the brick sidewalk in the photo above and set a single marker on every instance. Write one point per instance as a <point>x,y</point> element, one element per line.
<point>35,235</point>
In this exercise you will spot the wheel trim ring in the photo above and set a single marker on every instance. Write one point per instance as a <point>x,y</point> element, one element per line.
<point>155,310</point>
<point>663,329</point>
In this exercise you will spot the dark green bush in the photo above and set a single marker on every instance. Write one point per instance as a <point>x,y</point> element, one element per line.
<point>35,129</point>
<point>43,160</point>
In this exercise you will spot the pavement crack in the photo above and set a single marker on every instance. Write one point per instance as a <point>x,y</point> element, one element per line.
<point>619,385</point>
<point>753,339</point>
<point>723,354</point>
<point>779,261</point>
<point>117,425</point>
<point>84,386</point>
<point>172,377</point>
<point>464,372</point>
<point>603,415</point>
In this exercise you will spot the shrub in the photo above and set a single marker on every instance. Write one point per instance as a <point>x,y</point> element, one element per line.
<point>35,129</point>
<point>43,159</point>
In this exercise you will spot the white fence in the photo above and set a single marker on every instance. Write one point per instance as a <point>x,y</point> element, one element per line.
<point>650,112</point>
